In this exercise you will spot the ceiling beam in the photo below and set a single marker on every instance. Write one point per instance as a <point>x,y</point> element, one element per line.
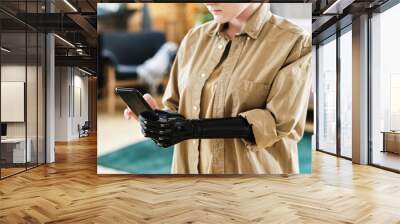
<point>81,61</point>
<point>84,24</point>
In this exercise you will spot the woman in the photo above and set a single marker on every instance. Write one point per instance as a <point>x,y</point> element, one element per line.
<point>239,87</point>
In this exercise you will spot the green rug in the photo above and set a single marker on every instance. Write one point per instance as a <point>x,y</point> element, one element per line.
<point>145,157</point>
<point>305,155</point>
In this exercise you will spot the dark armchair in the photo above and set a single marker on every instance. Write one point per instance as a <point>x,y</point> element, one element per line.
<point>84,129</point>
<point>121,53</point>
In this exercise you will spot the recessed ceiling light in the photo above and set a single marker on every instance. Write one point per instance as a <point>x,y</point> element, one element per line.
<point>337,7</point>
<point>84,71</point>
<point>65,41</point>
<point>5,50</point>
<point>70,5</point>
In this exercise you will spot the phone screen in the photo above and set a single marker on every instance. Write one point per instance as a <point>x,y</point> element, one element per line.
<point>134,99</point>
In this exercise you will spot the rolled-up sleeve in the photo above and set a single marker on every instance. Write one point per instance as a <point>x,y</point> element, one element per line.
<point>286,104</point>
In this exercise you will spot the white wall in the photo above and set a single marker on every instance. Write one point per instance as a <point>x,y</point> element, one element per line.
<point>80,98</point>
<point>61,103</point>
<point>71,93</point>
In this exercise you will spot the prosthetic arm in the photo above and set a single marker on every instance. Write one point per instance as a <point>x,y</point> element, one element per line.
<point>167,128</point>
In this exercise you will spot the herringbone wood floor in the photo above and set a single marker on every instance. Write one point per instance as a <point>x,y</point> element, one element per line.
<point>70,191</point>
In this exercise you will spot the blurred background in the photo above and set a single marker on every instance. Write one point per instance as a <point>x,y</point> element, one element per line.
<point>137,45</point>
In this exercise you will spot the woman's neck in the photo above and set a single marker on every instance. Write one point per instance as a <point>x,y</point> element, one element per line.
<point>236,25</point>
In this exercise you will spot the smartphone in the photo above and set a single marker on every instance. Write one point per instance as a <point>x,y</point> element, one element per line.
<point>134,99</point>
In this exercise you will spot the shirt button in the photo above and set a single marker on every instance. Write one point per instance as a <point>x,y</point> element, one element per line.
<point>202,75</point>
<point>194,108</point>
<point>220,46</point>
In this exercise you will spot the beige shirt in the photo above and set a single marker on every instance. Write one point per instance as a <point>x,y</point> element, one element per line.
<point>265,78</point>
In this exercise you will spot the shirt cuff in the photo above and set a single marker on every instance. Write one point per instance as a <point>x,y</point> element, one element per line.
<point>169,109</point>
<point>263,126</point>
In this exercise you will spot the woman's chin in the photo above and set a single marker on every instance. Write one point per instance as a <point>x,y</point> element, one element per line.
<point>220,20</point>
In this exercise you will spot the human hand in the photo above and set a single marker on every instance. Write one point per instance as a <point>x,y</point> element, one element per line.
<point>128,114</point>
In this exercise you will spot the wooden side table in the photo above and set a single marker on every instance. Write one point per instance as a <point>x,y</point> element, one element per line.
<point>391,141</point>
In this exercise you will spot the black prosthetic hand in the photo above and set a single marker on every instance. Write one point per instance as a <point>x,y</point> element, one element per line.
<point>166,128</point>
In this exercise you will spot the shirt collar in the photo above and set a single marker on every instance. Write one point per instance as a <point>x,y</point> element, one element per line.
<point>253,26</point>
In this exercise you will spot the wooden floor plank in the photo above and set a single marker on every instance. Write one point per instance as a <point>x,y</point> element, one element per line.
<point>70,191</point>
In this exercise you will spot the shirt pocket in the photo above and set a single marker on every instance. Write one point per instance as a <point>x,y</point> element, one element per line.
<point>250,95</point>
